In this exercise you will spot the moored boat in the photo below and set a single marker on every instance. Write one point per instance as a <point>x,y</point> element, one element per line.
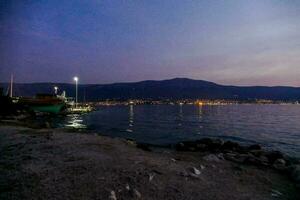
<point>44,103</point>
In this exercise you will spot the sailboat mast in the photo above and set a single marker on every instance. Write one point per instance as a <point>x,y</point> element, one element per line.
<point>11,86</point>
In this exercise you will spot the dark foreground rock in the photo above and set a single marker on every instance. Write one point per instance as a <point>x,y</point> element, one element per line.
<point>235,152</point>
<point>247,155</point>
<point>295,174</point>
<point>53,164</point>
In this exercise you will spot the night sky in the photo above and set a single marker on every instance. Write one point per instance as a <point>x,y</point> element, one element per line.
<point>254,42</point>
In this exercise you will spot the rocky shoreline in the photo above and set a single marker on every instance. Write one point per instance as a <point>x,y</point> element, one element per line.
<point>248,155</point>
<point>233,151</point>
<point>60,164</point>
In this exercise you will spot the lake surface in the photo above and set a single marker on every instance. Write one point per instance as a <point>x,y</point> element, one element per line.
<point>273,126</point>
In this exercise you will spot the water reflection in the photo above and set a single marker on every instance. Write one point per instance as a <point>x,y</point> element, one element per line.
<point>75,121</point>
<point>180,115</point>
<point>200,116</point>
<point>130,119</point>
<point>200,107</point>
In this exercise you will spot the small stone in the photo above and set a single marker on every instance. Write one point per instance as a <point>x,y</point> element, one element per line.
<point>131,142</point>
<point>275,193</point>
<point>211,158</point>
<point>220,156</point>
<point>137,162</point>
<point>113,195</point>
<point>151,176</point>
<point>137,194</point>
<point>196,171</point>
<point>127,187</point>
<point>279,164</point>
<point>194,175</point>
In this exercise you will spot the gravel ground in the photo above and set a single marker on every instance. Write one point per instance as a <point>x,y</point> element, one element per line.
<point>59,164</point>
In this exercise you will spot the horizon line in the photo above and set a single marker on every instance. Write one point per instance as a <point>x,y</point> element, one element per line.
<point>153,81</point>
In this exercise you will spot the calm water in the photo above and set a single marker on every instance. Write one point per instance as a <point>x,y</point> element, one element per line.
<point>273,126</point>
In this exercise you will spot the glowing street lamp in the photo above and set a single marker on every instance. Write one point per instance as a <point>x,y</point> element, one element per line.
<point>76,82</point>
<point>55,90</point>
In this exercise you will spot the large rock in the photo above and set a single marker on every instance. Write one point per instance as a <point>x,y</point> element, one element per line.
<point>280,164</point>
<point>215,145</point>
<point>143,146</point>
<point>211,158</point>
<point>273,156</point>
<point>197,145</point>
<point>247,159</point>
<point>186,146</point>
<point>258,161</point>
<point>205,144</point>
<point>238,158</point>
<point>257,153</point>
<point>254,147</point>
<point>295,173</point>
<point>231,146</point>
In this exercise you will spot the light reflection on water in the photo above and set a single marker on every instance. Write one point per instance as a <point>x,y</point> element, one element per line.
<point>75,121</point>
<point>130,119</point>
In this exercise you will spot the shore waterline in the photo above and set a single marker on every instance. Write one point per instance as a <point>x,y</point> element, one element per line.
<point>273,126</point>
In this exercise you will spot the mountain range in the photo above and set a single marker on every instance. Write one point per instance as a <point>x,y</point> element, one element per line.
<point>178,88</point>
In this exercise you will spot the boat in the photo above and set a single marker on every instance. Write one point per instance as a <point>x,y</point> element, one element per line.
<point>45,103</point>
<point>80,109</point>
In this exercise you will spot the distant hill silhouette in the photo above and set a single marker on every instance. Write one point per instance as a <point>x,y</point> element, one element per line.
<point>178,88</point>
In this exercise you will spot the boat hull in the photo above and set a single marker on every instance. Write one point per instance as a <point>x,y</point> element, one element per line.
<point>54,108</point>
<point>44,103</point>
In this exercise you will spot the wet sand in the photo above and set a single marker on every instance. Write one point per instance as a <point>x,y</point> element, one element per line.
<point>60,164</point>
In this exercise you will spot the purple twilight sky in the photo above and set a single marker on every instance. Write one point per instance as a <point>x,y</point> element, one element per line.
<point>250,42</point>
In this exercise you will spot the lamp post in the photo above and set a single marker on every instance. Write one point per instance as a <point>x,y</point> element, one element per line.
<point>11,86</point>
<point>76,82</point>
<point>55,90</point>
